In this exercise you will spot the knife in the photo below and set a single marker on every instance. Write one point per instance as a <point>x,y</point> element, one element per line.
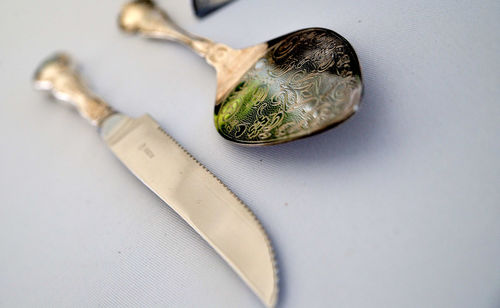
<point>201,199</point>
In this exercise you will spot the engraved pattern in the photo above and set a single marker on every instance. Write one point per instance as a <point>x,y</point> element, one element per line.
<point>308,81</point>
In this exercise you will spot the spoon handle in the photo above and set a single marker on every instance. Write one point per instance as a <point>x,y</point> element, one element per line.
<point>59,76</point>
<point>144,17</point>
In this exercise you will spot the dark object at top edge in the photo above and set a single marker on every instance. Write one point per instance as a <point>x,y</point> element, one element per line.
<point>204,7</point>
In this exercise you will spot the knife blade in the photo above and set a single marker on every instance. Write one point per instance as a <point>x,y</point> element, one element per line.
<point>156,159</point>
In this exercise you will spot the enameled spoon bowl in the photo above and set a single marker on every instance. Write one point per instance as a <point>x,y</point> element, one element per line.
<point>287,88</point>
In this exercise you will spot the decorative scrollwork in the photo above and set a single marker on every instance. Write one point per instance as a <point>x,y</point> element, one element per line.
<point>308,80</point>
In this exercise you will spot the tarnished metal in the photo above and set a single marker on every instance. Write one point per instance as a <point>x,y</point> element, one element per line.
<point>287,88</point>
<point>57,75</point>
<point>183,183</point>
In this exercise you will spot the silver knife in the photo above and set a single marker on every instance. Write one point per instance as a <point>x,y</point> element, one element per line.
<point>176,177</point>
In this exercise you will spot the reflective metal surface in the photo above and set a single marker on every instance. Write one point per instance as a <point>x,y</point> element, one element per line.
<point>199,198</point>
<point>177,178</point>
<point>287,88</point>
<point>57,74</point>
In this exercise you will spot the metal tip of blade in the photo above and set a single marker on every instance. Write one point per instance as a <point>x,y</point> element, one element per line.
<point>272,297</point>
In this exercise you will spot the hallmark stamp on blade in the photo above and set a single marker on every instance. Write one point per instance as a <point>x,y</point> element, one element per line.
<point>144,148</point>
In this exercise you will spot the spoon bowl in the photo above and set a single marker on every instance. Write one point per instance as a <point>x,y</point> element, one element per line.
<point>290,87</point>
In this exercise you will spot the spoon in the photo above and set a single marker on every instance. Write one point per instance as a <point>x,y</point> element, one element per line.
<point>287,88</point>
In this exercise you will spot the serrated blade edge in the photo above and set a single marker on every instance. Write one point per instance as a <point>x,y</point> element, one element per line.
<point>199,197</point>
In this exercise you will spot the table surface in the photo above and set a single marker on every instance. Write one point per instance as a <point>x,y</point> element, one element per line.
<point>397,207</point>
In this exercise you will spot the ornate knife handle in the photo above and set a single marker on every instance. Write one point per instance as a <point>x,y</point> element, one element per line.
<point>59,76</point>
<point>144,17</point>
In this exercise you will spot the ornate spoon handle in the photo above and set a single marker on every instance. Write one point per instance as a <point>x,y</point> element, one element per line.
<point>144,17</point>
<point>58,75</point>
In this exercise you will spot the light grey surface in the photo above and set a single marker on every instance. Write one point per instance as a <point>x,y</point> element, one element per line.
<point>398,207</point>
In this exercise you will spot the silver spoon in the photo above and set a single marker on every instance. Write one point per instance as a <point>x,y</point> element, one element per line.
<point>287,88</point>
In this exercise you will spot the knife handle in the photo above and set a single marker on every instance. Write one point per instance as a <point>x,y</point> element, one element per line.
<point>144,17</point>
<point>58,75</point>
